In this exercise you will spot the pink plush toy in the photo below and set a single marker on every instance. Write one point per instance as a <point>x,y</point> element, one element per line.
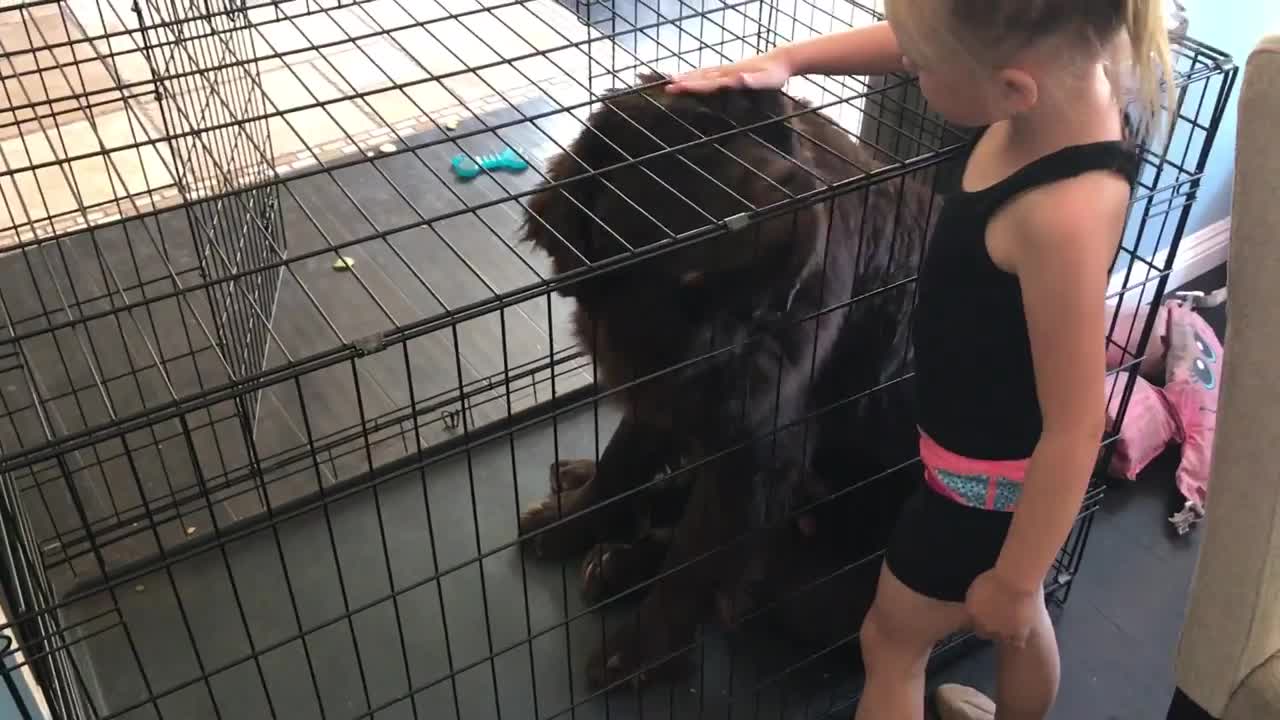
<point>1149,425</point>
<point>1122,347</point>
<point>1187,353</point>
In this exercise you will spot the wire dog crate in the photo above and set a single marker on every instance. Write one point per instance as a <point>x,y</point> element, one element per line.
<point>244,477</point>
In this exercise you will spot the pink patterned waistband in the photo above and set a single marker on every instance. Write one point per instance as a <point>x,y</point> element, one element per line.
<point>986,484</point>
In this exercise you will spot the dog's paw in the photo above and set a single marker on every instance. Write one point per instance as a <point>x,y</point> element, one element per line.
<point>599,569</point>
<point>611,569</point>
<point>549,539</point>
<point>631,659</point>
<point>614,672</point>
<point>571,474</point>
<point>540,514</point>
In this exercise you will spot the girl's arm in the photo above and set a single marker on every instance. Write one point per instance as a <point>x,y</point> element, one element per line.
<point>1071,233</point>
<point>867,50</point>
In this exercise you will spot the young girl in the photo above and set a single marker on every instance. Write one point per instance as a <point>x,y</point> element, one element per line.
<point>1010,321</point>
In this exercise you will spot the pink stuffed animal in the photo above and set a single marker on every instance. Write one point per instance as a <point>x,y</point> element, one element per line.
<point>1149,425</point>
<point>1192,372</point>
<point>1187,353</point>
<point>1122,347</point>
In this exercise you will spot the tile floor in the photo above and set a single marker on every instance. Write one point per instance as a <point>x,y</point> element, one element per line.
<point>328,79</point>
<point>84,137</point>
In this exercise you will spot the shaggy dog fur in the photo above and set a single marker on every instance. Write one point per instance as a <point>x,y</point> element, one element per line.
<point>751,360</point>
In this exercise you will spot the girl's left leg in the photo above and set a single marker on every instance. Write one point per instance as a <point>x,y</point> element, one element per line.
<point>1026,681</point>
<point>1027,677</point>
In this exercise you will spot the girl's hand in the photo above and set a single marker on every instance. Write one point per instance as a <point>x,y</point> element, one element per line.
<point>1001,611</point>
<point>763,72</point>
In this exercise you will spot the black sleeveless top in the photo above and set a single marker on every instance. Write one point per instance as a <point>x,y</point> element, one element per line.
<point>975,384</point>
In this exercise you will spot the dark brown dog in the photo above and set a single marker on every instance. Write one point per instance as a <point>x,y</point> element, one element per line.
<point>750,354</point>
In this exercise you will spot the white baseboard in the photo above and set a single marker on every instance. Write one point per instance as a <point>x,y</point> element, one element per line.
<point>1199,253</point>
<point>24,680</point>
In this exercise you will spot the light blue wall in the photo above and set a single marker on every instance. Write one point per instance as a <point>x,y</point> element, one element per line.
<point>1234,26</point>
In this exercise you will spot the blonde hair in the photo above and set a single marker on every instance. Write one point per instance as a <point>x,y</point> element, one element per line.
<point>1145,25</point>
<point>1128,34</point>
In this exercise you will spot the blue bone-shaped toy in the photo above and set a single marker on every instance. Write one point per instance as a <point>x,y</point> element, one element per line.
<point>507,159</point>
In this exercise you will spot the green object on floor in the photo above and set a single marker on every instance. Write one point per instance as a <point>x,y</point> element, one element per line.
<point>344,263</point>
<point>506,159</point>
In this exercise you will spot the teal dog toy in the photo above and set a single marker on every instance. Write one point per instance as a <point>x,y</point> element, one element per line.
<point>507,159</point>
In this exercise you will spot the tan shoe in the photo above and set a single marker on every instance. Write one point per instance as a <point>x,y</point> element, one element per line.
<point>961,702</point>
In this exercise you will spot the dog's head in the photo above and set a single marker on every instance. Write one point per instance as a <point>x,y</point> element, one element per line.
<point>652,165</point>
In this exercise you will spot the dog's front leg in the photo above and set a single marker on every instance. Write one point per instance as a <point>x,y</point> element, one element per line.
<point>635,454</point>
<point>699,558</point>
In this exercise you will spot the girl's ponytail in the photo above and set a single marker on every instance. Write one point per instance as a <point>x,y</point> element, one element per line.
<point>1148,32</point>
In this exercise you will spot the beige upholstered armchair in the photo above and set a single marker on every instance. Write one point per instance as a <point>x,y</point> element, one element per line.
<point>1228,663</point>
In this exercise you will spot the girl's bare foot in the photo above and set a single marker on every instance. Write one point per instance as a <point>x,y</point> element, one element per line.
<point>961,702</point>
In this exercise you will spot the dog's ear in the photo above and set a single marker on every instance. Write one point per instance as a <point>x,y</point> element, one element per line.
<point>564,217</point>
<point>559,213</point>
